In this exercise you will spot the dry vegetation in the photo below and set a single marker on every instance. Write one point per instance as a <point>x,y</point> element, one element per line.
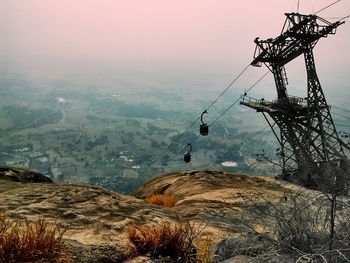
<point>301,227</point>
<point>176,241</point>
<point>162,200</point>
<point>204,249</point>
<point>31,242</point>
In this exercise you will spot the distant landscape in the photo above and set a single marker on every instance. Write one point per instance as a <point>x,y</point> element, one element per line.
<point>118,137</point>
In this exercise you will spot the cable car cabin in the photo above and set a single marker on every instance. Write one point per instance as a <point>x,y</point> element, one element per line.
<point>203,128</point>
<point>187,157</point>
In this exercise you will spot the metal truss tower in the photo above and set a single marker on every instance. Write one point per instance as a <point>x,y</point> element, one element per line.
<point>311,152</point>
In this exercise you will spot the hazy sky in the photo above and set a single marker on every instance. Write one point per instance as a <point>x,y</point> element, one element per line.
<point>198,35</point>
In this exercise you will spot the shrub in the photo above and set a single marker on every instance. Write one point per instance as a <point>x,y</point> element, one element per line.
<point>39,241</point>
<point>163,200</point>
<point>168,240</point>
<point>301,226</point>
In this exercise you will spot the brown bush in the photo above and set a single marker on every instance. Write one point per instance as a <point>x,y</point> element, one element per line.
<point>169,240</point>
<point>39,241</point>
<point>163,200</point>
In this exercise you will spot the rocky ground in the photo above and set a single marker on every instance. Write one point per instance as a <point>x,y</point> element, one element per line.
<point>96,220</point>
<point>217,198</point>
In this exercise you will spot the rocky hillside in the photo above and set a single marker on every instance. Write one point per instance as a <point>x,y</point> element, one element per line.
<point>215,197</point>
<point>97,219</point>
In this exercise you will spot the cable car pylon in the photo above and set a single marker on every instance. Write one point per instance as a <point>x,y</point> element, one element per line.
<point>311,151</point>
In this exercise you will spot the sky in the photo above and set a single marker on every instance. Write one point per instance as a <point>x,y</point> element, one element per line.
<point>57,37</point>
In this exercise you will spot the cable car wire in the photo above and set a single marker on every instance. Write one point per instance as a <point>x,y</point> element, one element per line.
<point>244,141</point>
<point>343,125</point>
<point>194,122</point>
<point>229,86</point>
<point>345,18</point>
<point>326,7</point>
<point>246,92</point>
<point>340,115</point>
<point>227,109</point>
<point>339,18</point>
<point>339,108</point>
<point>298,7</point>
<point>172,143</point>
<point>249,138</point>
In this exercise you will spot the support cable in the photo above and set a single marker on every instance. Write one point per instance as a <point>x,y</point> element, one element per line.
<point>328,6</point>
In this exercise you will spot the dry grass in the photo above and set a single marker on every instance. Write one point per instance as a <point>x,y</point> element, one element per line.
<point>163,200</point>
<point>31,242</point>
<point>204,249</point>
<point>168,240</point>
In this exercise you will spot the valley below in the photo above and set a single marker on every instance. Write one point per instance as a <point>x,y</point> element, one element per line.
<point>120,137</point>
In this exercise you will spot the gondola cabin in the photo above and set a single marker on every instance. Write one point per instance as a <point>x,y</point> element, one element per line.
<point>187,157</point>
<point>203,128</point>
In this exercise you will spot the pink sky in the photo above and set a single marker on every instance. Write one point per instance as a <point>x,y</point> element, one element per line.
<point>210,34</point>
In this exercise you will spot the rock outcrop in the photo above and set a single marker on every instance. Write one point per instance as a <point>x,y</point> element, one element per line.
<point>22,175</point>
<point>217,198</point>
<point>96,220</point>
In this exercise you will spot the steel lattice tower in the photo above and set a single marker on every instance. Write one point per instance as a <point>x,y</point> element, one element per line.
<point>311,151</point>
